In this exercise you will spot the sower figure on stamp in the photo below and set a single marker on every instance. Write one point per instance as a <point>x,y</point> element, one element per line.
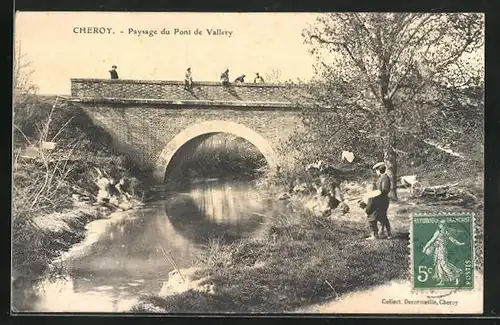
<point>113,73</point>
<point>444,270</point>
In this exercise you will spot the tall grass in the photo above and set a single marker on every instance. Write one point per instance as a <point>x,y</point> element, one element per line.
<point>45,188</point>
<point>218,253</point>
<point>40,186</point>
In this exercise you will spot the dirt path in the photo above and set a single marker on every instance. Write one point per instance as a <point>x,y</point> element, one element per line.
<point>372,301</point>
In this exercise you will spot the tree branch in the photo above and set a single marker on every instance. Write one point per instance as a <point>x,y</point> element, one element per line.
<point>405,44</point>
<point>359,64</point>
<point>363,69</point>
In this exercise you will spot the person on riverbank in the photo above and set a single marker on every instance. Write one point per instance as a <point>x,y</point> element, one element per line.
<point>103,195</point>
<point>383,184</point>
<point>107,194</point>
<point>113,191</point>
<point>123,189</point>
<point>327,184</point>
<point>120,187</point>
<point>330,186</point>
<point>376,203</point>
<point>114,194</point>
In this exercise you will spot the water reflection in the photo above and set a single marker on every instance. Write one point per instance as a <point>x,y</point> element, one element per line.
<point>129,259</point>
<point>216,209</point>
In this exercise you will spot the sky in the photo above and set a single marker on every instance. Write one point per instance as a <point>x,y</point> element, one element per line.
<point>259,42</point>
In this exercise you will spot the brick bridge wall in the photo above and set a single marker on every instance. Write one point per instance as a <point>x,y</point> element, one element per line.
<point>270,96</point>
<point>143,117</point>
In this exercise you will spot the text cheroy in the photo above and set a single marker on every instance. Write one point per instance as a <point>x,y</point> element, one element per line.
<point>442,250</point>
<point>153,31</point>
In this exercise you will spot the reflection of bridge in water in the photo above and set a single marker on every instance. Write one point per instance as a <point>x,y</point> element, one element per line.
<point>216,209</point>
<point>157,122</point>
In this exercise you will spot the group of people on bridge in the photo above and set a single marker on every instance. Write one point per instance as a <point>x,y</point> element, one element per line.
<point>224,79</point>
<point>188,77</point>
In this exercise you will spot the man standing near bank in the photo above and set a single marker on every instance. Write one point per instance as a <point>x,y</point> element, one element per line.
<point>377,202</point>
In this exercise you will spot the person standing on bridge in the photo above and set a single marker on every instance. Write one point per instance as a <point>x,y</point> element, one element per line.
<point>113,72</point>
<point>240,79</point>
<point>258,79</point>
<point>188,79</point>
<point>224,78</point>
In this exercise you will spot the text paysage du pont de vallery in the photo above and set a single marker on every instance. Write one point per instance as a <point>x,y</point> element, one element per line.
<point>146,32</point>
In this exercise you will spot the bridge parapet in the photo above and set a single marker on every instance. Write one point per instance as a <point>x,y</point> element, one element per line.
<point>151,121</point>
<point>202,93</point>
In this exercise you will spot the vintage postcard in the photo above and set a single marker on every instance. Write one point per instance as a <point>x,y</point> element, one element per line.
<point>248,163</point>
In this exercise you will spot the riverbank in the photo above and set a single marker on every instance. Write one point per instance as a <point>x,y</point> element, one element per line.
<point>55,196</point>
<point>59,236</point>
<point>47,233</point>
<point>58,156</point>
<point>44,294</point>
<point>298,261</point>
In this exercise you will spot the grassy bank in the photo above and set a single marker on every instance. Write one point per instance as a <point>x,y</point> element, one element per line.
<point>51,206</point>
<point>299,260</point>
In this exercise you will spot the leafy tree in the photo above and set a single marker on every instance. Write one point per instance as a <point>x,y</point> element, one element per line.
<point>383,75</point>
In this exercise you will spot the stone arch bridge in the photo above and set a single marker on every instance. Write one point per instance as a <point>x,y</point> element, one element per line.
<point>154,121</point>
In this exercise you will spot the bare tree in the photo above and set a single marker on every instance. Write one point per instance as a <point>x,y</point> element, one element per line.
<point>380,67</point>
<point>22,72</point>
<point>25,110</point>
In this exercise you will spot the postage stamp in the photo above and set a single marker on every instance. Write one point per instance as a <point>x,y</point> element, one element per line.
<point>442,250</point>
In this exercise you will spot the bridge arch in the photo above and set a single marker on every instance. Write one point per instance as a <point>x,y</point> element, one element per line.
<point>207,128</point>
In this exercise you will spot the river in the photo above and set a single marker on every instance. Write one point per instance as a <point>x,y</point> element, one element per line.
<point>134,255</point>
